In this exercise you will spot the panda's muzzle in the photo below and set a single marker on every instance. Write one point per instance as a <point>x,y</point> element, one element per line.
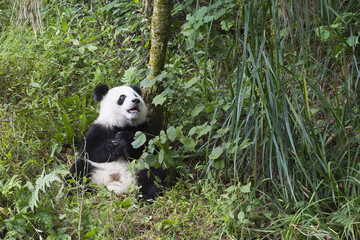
<point>135,109</point>
<point>136,100</point>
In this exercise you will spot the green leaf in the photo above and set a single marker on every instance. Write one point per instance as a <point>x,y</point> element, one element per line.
<point>69,131</point>
<point>75,42</point>
<point>139,139</point>
<point>126,203</point>
<point>161,156</point>
<point>220,13</point>
<point>147,83</point>
<point>192,131</point>
<point>150,160</point>
<point>241,216</point>
<point>171,133</point>
<point>352,41</point>
<point>35,85</point>
<point>197,110</point>
<point>159,100</point>
<point>204,131</point>
<point>245,144</point>
<point>81,50</point>
<point>160,77</point>
<point>40,184</point>
<point>147,44</point>
<point>179,132</point>
<point>322,33</point>
<point>91,233</point>
<point>163,137</point>
<point>92,48</point>
<point>232,188</point>
<point>246,188</point>
<point>141,163</point>
<point>221,132</point>
<point>216,153</point>
<point>201,12</point>
<point>218,164</point>
<point>190,83</point>
<point>189,144</point>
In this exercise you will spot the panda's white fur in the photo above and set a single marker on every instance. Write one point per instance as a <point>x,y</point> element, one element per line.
<point>107,149</point>
<point>116,175</point>
<point>111,114</point>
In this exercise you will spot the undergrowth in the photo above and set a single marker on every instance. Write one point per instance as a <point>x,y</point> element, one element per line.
<point>261,102</point>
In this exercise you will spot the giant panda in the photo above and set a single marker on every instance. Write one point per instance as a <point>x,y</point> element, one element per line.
<point>107,150</point>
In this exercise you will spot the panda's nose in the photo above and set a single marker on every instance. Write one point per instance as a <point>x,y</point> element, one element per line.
<point>136,100</point>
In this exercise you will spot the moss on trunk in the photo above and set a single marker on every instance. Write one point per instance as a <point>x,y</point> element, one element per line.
<point>160,26</point>
<point>160,32</point>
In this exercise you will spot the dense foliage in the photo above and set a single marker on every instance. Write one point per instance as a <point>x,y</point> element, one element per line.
<point>262,115</point>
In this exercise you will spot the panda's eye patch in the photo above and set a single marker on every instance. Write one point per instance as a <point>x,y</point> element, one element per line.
<point>121,99</point>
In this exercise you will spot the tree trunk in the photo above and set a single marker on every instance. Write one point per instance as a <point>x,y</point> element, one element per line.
<point>160,25</point>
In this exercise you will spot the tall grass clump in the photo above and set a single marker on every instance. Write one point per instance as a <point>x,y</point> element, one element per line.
<point>293,122</point>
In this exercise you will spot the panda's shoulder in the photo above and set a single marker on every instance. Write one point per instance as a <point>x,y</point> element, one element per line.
<point>144,127</point>
<point>98,130</point>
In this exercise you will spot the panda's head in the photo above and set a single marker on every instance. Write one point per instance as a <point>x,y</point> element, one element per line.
<point>120,106</point>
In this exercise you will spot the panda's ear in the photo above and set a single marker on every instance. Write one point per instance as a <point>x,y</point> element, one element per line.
<point>136,89</point>
<point>100,91</point>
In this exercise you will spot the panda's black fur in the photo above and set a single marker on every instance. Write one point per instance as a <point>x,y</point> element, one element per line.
<point>107,149</point>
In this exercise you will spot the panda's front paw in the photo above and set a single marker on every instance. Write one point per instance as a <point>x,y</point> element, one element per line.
<point>119,143</point>
<point>124,136</point>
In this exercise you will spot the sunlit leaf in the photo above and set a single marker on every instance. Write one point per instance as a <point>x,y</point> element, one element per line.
<point>140,139</point>
<point>216,153</point>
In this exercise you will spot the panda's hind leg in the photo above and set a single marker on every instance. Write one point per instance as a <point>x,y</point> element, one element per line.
<point>79,171</point>
<point>149,187</point>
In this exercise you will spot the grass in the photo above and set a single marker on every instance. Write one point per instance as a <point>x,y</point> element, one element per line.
<point>262,112</point>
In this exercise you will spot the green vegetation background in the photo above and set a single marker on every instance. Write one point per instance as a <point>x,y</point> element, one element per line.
<point>262,118</point>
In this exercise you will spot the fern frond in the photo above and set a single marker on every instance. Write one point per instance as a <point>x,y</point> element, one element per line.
<point>45,180</point>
